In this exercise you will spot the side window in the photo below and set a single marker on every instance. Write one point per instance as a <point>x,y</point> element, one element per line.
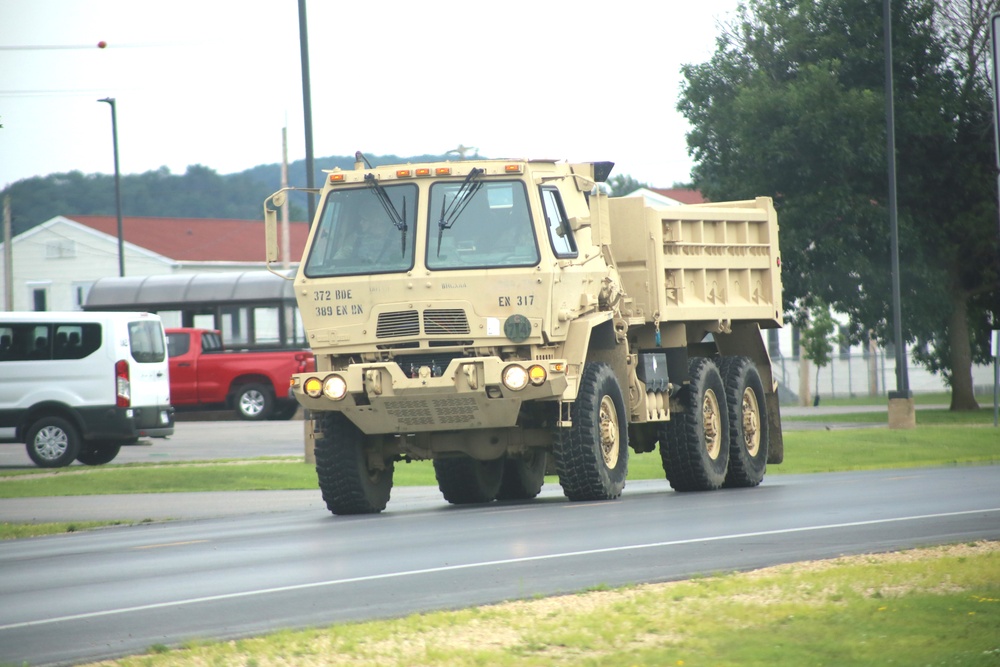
<point>211,342</point>
<point>560,235</point>
<point>178,343</point>
<point>76,341</point>
<point>21,342</point>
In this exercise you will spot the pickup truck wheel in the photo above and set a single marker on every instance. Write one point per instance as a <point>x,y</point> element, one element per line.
<point>53,442</point>
<point>694,444</point>
<point>464,480</point>
<point>592,455</point>
<point>254,402</point>
<point>523,476</point>
<point>98,453</point>
<point>285,410</point>
<point>748,434</point>
<point>348,483</point>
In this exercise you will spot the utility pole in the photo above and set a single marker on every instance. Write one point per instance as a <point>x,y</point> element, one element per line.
<point>8,258</point>
<point>307,107</point>
<point>901,411</point>
<point>118,186</point>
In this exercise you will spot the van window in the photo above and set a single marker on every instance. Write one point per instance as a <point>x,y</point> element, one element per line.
<point>76,341</point>
<point>29,341</point>
<point>145,339</point>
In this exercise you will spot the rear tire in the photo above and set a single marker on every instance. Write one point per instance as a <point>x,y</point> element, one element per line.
<point>254,402</point>
<point>98,453</point>
<point>464,480</point>
<point>349,486</point>
<point>53,442</point>
<point>748,426</point>
<point>523,476</point>
<point>694,444</point>
<point>592,455</point>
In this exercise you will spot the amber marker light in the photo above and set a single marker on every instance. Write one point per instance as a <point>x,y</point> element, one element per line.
<point>336,178</point>
<point>423,171</point>
<point>403,173</point>
<point>313,387</point>
<point>512,168</point>
<point>442,171</point>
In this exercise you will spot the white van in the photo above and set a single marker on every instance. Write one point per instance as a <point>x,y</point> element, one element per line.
<point>76,386</point>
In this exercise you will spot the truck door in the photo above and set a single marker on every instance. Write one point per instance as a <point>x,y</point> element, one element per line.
<point>183,369</point>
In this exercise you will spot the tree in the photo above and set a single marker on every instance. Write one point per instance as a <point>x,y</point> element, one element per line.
<point>817,338</point>
<point>623,184</point>
<point>792,106</point>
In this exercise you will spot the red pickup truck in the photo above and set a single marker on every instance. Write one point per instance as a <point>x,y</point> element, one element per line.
<point>254,383</point>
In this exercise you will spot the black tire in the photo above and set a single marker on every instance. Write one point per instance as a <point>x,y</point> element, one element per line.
<point>53,442</point>
<point>98,453</point>
<point>694,444</point>
<point>464,480</point>
<point>254,402</point>
<point>523,476</point>
<point>285,410</point>
<point>592,455</point>
<point>347,483</point>
<point>748,426</point>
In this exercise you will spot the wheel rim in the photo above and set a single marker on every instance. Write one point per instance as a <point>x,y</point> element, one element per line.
<point>712,421</point>
<point>51,442</point>
<point>252,403</point>
<point>609,432</point>
<point>751,422</point>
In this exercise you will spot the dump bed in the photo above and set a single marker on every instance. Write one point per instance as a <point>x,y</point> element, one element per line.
<point>717,261</point>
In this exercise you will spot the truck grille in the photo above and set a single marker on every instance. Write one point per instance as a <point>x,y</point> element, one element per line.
<point>436,322</point>
<point>401,323</point>
<point>444,411</point>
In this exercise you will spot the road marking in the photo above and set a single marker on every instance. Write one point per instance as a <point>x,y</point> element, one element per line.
<point>169,544</point>
<point>470,566</point>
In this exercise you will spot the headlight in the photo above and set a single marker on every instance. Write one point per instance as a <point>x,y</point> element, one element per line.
<point>537,375</point>
<point>313,387</point>
<point>335,387</point>
<point>515,377</point>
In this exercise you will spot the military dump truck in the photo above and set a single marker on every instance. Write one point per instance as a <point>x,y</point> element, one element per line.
<point>505,317</point>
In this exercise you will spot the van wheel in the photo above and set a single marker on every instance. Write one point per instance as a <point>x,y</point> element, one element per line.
<point>464,480</point>
<point>348,483</point>
<point>523,476</point>
<point>694,444</point>
<point>254,402</point>
<point>592,455</point>
<point>748,427</point>
<point>98,453</point>
<point>53,442</point>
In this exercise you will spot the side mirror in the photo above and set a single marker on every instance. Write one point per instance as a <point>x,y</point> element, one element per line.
<point>271,225</point>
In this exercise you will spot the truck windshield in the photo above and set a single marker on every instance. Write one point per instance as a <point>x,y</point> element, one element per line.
<point>493,229</point>
<point>357,235</point>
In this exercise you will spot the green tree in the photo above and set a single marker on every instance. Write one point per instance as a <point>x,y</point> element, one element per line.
<point>623,184</point>
<point>791,105</point>
<point>818,338</point>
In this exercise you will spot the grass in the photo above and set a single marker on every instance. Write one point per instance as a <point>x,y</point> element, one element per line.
<point>920,607</point>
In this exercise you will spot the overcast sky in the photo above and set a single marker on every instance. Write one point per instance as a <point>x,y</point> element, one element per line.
<point>213,82</point>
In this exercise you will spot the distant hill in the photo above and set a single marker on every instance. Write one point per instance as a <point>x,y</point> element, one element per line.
<point>198,193</point>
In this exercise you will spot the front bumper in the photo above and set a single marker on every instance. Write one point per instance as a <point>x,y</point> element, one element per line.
<point>468,394</point>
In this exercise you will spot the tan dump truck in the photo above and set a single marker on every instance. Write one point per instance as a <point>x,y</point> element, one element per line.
<point>505,317</point>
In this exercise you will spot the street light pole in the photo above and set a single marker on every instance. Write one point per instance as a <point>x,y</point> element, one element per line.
<point>901,414</point>
<point>118,186</point>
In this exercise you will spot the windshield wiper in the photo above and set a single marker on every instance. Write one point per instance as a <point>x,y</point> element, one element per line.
<point>470,186</point>
<point>398,220</point>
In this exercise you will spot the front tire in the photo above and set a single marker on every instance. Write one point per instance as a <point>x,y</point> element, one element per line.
<point>523,476</point>
<point>592,455</point>
<point>254,402</point>
<point>348,484</point>
<point>464,480</point>
<point>694,444</point>
<point>98,453</point>
<point>53,442</point>
<point>748,426</point>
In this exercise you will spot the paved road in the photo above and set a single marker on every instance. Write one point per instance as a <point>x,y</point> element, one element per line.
<point>69,598</point>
